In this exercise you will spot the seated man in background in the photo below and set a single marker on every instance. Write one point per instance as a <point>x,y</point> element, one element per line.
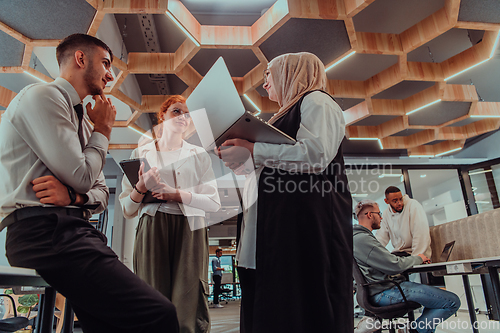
<point>405,224</point>
<point>378,264</point>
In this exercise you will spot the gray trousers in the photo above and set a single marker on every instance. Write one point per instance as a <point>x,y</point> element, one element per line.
<point>174,260</point>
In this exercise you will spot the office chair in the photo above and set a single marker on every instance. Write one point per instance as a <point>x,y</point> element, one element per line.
<point>14,323</point>
<point>390,312</point>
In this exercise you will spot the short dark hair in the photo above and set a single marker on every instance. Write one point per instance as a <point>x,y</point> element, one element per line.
<point>391,189</point>
<point>218,250</point>
<point>86,43</point>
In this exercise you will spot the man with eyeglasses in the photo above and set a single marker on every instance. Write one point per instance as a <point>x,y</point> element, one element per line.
<point>378,264</point>
<point>405,224</point>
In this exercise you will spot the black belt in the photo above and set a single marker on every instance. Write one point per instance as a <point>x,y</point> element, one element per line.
<point>28,212</point>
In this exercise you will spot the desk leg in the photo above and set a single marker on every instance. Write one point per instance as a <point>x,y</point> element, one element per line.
<point>45,318</point>
<point>69,317</point>
<point>495,285</point>
<point>470,303</point>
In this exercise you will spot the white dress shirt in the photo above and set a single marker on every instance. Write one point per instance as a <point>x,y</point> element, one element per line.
<point>321,131</point>
<point>38,137</point>
<point>408,231</point>
<point>194,174</point>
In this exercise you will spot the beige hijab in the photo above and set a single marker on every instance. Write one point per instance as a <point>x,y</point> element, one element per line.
<point>293,75</point>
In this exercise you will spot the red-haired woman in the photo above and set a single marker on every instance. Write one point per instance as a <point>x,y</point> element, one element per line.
<point>171,244</point>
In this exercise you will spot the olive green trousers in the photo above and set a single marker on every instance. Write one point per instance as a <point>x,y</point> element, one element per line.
<point>174,260</point>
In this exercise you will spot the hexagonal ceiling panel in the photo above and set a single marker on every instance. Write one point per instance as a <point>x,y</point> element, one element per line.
<point>379,15</point>
<point>404,90</point>
<point>373,120</point>
<point>403,47</point>
<point>296,35</point>
<point>11,52</point>
<point>48,19</point>
<point>239,62</point>
<point>361,67</point>
<point>439,113</point>
<point>487,11</point>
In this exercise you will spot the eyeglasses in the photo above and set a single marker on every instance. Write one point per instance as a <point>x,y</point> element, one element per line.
<point>379,213</point>
<point>179,112</point>
<point>266,75</point>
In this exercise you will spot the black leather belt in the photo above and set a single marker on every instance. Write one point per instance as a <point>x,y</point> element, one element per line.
<point>28,212</point>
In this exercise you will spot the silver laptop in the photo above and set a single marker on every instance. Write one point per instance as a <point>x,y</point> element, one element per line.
<point>218,113</point>
<point>445,255</point>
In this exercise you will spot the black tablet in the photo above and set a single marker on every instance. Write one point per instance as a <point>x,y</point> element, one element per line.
<point>131,169</point>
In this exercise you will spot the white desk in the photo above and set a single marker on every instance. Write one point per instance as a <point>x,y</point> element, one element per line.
<point>458,266</point>
<point>464,267</point>
<point>15,276</point>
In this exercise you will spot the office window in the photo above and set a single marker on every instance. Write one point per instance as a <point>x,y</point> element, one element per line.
<point>371,183</point>
<point>366,183</point>
<point>440,194</point>
<point>484,183</point>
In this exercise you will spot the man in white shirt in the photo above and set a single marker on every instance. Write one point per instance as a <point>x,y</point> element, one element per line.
<point>51,181</point>
<point>405,224</point>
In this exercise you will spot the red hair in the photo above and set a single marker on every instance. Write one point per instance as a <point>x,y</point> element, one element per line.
<point>169,102</point>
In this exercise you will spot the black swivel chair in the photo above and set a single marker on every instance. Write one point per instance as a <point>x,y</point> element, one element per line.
<point>383,312</point>
<point>15,323</point>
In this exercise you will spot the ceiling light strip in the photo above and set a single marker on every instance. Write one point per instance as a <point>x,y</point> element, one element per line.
<point>141,133</point>
<point>421,156</point>
<point>172,17</point>
<point>380,144</point>
<point>36,77</point>
<point>423,107</point>
<point>338,62</point>
<point>449,151</point>
<point>485,116</point>
<point>389,175</point>
<point>372,139</point>
<point>495,45</point>
<point>253,104</point>
<point>479,172</point>
<point>465,70</point>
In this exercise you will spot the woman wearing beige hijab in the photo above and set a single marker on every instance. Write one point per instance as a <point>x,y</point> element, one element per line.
<point>295,250</point>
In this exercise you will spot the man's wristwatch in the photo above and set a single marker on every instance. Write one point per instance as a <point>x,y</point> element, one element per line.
<point>72,195</point>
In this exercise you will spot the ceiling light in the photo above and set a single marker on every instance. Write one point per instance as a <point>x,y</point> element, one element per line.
<point>253,104</point>
<point>474,189</point>
<point>449,151</point>
<point>479,63</point>
<point>423,107</point>
<point>478,172</point>
<point>421,156</point>
<point>36,77</point>
<point>482,202</point>
<point>389,175</point>
<point>338,62</point>
<point>172,17</point>
<point>423,176</point>
<point>485,116</point>
<point>380,144</point>
<point>138,131</point>
<point>494,45</point>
